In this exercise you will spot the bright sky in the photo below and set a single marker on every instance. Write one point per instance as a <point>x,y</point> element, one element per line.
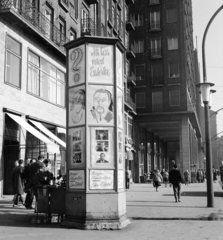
<point>203,10</point>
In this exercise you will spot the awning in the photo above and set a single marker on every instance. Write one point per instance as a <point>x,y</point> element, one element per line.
<point>61,130</point>
<point>48,133</point>
<point>51,147</point>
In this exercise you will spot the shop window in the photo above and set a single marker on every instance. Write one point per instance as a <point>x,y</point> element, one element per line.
<point>157,101</point>
<point>140,100</point>
<point>171,15</point>
<point>45,80</point>
<point>13,62</point>
<point>174,96</point>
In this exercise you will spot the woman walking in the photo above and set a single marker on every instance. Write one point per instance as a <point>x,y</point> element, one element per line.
<point>157,179</point>
<point>17,183</point>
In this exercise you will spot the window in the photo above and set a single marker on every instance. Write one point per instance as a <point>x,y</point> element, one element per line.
<point>154,1</point>
<point>140,72</point>
<point>138,20</point>
<point>138,46</point>
<point>126,124</point>
<point>73,34</point>
<point>48,21</point>
<point>171,15</point>
<point>13,62</point>
<point>156,47</point>
<point>130,128</point>
<point>62,27</point>
<point>174,96</point>
<point>174,70</point>
<point>172,43</point>
<point>154,20</point>
<point>85,20</point>
<point>157,101</point>
<point>45,80</point>
<point>140,100</point>
<point>156,74</point>
<point>74,8</point>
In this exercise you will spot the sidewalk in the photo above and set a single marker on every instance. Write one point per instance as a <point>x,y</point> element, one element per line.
<point>153,215</point>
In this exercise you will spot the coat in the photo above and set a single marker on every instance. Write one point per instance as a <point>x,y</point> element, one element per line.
<point>17,180</point>
<point>175,176</point>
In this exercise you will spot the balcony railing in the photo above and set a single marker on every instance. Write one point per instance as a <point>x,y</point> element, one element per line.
<point>155,25</point>
<point>38,20</point>
<point>88,27</point>
<point>156,52</point>
<point>131,79</point>
<point>129,101</point>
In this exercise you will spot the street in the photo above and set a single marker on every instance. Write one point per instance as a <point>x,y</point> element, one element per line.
<point>153,215</point>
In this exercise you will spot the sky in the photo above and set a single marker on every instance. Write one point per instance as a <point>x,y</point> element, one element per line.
<point>203,10</point>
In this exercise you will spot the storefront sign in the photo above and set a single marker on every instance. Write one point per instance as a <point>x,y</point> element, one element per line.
<point>101,179</point>
<point>76,179</point>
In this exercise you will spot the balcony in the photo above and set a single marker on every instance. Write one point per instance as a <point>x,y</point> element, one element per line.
<point>129,104</point>
<point>156,53</point>
<point>129,1</point>
<point>64,4</point>
<point>131,80</point>
<point>129,25</point>
<point>130,53</point>
<point>155,26</point>
<point>34,23</point>
<point>89,2</point>
<point>88,27</point>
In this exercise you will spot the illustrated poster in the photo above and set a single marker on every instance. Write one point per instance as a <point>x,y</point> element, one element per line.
<point>77,146</point>
<point>101,105</point>
<point>77,103</point>
<point>101,179</point>
<point>120,108</point>
<point>100,63</point>
<point>76,179</point>
<point>76,66</point>
<point>102,147</point>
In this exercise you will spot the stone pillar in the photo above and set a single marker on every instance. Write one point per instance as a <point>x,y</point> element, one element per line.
<point>184,144</point>
<point>95,194</point>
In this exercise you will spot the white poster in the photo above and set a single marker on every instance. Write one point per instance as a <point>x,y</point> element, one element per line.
<point>120,108</point>
<point>120,149</point>
<point>119,68</point>
<point>76,66</point>
<point>100,105</point>
<point>76,111</point>
<point>120,179</point>
<point>101,179</point>
<point>102,147</point>
<point>77,146</point>
<point>76,179</point>
<point>100,64</point>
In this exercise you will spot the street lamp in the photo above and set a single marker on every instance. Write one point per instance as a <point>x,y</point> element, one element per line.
<point>206,94</point>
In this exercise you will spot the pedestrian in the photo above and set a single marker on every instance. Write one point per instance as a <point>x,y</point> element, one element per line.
<point>16,164</point>
<point>175,179</point>
<point>157,179</point>
<point>165,177</point>
<point>17,182</point>
<point>186,177</point>
<point>127,177</point>
<point>214,175</point>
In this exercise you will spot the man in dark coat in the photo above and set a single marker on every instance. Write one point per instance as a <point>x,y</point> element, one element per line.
<point>175,179</point>
<point>17,183</point>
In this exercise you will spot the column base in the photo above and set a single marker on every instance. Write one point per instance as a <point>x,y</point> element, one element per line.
<point>98,224</point>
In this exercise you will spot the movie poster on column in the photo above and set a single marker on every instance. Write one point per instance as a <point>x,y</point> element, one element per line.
<point>100,105</point>
<point>76,179</point>
<point>77,146</point>
<point>76,110</point>
<point>119,68</point>
<point>120,149</point>
<point>76,66</point>
<point>120,179</point>
<point>102,147</point>
<point>100,66</point>
<point>120,108</point>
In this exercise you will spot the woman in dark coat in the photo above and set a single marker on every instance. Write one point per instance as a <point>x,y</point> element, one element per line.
<point>17,183</point>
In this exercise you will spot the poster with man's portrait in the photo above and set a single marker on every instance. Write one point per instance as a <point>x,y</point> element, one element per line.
<point>119,68</point>
<point>101,105</point>
<point>102,147</point>
<point>77,146</point>
<point>120,108</point>
<point>76,110</point>
<point>76,61</point>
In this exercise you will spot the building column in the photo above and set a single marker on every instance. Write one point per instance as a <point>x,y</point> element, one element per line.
<point>184,144</point>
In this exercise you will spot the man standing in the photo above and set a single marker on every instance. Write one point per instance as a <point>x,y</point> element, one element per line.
<point>175,179</point>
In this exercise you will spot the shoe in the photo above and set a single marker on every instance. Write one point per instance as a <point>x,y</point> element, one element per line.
<point>178,200</point>
<point>175,200</point>
<point>14,205</point>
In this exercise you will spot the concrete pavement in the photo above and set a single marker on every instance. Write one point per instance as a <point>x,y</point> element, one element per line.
<point>154,215</point>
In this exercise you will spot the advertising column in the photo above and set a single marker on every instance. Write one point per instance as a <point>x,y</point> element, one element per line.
<point>96,196</point>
